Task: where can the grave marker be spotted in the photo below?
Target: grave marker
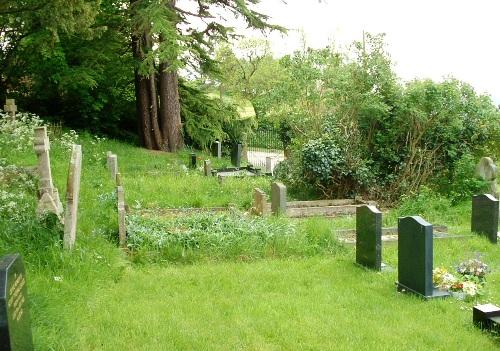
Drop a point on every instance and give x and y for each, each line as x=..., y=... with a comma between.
x=369, y=237
x=278, y=198
x=113, y=165
x=415, y=257
x=269, y=165
x=72, y=196
x=15, y=322
x=236, y=155
x=122, y=229
x=485, y=216
x=49, y=196
x=486, y=316
x=10, y=107
x=193, y=160
x=217, y=149
x=259, y=202
x=207, y=167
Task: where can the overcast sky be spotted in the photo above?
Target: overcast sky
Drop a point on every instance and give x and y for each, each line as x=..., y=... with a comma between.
x=426, y=39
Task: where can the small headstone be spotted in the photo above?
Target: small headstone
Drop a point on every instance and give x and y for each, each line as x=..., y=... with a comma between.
x=122, y=230
x=113, y=165
x=269, y=165
x=259, y=202
x=72, y=196
x=192, y=158
x=10, y=107
x=278, y=198
x=207, y=167
x=236, y=155
x=415, y=258
x=369, y=237
x=487, y=170
x=486, y=316
x=15, y=321
x=217, y=149
x=485, y=216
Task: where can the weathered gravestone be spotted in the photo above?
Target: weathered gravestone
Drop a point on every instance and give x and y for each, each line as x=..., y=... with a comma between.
x=486, y=317
x=15, y=322
x=207, y=168
x=72, y=196
x=259, y=202
x=10, y=107
x=487, y=170
x=278, y=198
x=269, y=165
x=369, y=237
x=112, y=162
x=415, y=258
x=236, y=155
x=49, y=200
x=122, y=229
x=217, y=149
x=485, y=216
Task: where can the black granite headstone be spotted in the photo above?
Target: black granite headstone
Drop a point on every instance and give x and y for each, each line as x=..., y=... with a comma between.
x=415, y=257
x=369, y=237
x=15, y=323
x=486, y=316
x=485, y=216
x=236, y=155
x=193, y=160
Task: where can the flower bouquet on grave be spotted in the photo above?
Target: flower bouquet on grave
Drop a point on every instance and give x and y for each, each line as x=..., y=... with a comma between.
x=442, y=279
x=473, y=270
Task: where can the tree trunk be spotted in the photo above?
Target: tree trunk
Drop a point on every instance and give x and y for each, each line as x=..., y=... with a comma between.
x=170, y=108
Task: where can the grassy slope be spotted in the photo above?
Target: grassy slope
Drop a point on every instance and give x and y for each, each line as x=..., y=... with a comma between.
x=323, y=302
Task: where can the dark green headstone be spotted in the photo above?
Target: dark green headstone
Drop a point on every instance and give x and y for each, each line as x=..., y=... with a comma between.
x=15, y=323
x=236, y=155
x=369, y=237
x=485, y=216
x=415, y=257
x=193, y=160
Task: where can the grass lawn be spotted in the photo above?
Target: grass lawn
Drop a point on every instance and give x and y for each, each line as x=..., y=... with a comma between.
x=96, y=298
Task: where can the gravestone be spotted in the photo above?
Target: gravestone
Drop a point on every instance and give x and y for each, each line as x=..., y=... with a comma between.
x=487, y=170
x=485, y=216
x=113, y=165
x=236, y=155
x=278, y=198
x=259, y=202
x=122, y=229
x=486, y=316
x=192, y=158
x=369, y=237
x=49, y=200
x=207, y=167
x=269, y=165
x=72, y=196
x=15, y=322
x=415, y=258
x=10, y=108
x=217, y=149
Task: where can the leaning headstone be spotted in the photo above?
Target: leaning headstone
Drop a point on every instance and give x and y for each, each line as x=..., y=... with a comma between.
x=122, y=229
x=369, y=237
x=485, y=216
x=113, y=165
x=278, y=198
x=48, y=194
x=486, y=316
x=207, y=167
x=259, y=202
x=236, y=155
x=217, y=149
x=415, y=258
x=15, y=322
x=10, y=107
x=487, y=170
x=72, y=196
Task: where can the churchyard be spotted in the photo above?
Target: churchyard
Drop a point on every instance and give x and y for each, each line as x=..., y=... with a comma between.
x=164, y=257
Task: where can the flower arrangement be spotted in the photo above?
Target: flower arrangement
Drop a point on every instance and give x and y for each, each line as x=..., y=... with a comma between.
x=470, y=280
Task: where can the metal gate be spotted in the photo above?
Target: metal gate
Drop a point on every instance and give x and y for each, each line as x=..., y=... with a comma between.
x=265, y=148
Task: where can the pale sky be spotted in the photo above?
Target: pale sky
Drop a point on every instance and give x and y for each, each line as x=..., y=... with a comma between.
x=425, y=39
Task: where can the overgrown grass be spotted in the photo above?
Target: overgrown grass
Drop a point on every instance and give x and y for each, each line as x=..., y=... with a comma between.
x=251, y=283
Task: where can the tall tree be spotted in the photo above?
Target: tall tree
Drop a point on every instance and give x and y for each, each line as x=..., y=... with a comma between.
x=166, y=36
